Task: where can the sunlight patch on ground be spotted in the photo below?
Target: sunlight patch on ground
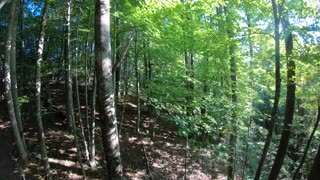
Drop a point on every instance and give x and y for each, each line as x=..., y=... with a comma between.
x=62, y=151
x=4, y=125
x=160, y=163
x=131, y=104
x=62, y=162
x=138, y=174
x=73, y=149
x=74, y=176
x=132, y=139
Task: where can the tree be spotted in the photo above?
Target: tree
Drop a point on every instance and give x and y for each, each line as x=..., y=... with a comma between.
x=67, y=61
x=38, y=91
x=307, y=147
x=290, y=101
x=233, y=77
x=105, y=89
x=315, y=173
x=276, y=14
x=8, y=76
x=68, y=79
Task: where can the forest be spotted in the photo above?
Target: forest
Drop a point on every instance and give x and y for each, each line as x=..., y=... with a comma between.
x=160, y=89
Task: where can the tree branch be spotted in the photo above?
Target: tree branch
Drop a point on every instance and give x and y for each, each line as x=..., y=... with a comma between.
x=124, y=52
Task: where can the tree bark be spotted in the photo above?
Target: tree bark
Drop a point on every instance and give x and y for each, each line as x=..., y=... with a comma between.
x=8, y=84
x=315, y=173
x=233, y=135
x=77, y=57
x=23, y=83
x=137, y=81
x=67, y=57
x=68, y=75
x=277, y=90
x=308, y=145
x=234, y=98
x=38, y=91
x=14, y=82
x=290, y=101
x=92, y=149
x=87, y=75
x=105, y=90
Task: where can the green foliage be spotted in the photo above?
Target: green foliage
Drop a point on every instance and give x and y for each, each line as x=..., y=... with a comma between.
x=168, y=31
x=23, y=100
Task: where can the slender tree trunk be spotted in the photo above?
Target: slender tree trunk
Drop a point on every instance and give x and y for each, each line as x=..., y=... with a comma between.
x=234, y=98
x=14, y=83
x=137, y=81
x=84, y=141
x=38, y=92
x=21, y=47
x=308, y=144
x=126, y=78
x=189, y=62
x=92, y=149
x=70, y=112
x=8, y=81
x=277, y=90
x=290, y=101
x=233, y=135
x=315, y=173
x=117, y=55
x=89, y=125
x=67, y=57
x=247, y=147
x=105, y=90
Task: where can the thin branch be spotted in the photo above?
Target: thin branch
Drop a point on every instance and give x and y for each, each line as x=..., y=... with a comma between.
x=124, y=52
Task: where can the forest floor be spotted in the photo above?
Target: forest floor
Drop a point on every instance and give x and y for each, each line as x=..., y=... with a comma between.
x=156, y=152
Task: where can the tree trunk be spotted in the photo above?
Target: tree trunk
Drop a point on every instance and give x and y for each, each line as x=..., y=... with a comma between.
x=290, y=101
x=70, y=112
x=117, y=56
x=14, y=83
x=277, y=90
x=315, y=173
x=137, y=81
x=88, y=124
x=308, y=144
x=234, y=98
x=68, y=75
x=248, y=139
x=21, y=48
x=233, y=135
x=105, y=89
x=8, y=84
x=92, y=149
x=84, y=141
x=38, y=91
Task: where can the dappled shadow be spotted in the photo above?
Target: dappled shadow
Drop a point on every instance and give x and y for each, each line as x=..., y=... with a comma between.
x=7, y=158
x=157, y=151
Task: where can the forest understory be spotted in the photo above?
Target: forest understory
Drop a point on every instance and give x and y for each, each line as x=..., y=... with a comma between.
x=160, y=89
x=157, y=152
